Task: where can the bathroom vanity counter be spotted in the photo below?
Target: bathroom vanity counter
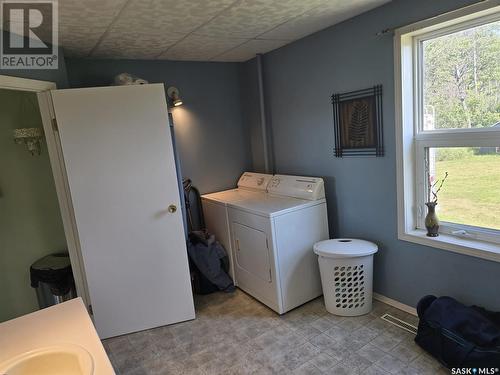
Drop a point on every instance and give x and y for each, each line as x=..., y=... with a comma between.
x=64, y=325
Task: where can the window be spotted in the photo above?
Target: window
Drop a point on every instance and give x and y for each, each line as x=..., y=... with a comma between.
x=448, y=124
x=461, y=77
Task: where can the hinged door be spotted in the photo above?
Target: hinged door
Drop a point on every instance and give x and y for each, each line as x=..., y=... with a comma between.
x=121, y=175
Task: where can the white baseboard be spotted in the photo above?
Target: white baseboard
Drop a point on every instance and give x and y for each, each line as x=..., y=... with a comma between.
x=394, y=303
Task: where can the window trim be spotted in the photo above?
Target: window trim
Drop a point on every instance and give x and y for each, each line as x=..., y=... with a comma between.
x=410, y=137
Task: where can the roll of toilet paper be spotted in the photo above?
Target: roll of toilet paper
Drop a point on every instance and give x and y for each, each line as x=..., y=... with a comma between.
x=140, y=81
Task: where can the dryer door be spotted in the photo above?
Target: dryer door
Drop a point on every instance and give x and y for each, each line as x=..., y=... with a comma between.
x=254, y=258
x=252, y=251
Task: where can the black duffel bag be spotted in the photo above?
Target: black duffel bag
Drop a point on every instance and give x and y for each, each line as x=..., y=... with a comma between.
x=458, y=335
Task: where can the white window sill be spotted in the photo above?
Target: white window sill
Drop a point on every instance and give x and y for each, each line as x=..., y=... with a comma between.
x=475, y=248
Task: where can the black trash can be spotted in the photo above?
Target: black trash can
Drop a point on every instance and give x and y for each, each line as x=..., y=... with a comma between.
x=52, y=278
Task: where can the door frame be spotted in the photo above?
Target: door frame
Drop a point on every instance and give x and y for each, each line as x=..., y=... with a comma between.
x=42, y=89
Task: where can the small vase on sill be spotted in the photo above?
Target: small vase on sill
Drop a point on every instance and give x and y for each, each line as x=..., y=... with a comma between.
x=431, y=220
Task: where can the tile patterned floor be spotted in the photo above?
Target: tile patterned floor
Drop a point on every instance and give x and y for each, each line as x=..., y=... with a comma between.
x=235, y=334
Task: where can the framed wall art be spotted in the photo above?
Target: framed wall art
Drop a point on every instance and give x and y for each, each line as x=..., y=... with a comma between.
x=357, y=119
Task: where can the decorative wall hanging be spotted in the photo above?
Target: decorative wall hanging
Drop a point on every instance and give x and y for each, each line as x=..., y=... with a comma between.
x=30, y=135
x=357, y=119
x=31, y=138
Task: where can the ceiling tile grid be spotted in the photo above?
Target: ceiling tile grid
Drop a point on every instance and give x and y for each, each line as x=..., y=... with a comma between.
x=171, y=15
x=321, y=17
x=79, y=40
x=250, y=49
x=93, y=13
x=199, y=30
x=135, y=43
x=200, y=47
x=250, y=18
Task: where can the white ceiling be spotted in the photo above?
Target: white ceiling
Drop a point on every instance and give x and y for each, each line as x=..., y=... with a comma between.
x=200, y=30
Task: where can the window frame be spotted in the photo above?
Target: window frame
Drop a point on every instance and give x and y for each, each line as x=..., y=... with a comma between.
x=450, y=228
x=418, y=41
x=412, y=139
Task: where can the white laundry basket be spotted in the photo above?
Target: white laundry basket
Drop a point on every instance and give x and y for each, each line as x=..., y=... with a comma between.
x=346, y=267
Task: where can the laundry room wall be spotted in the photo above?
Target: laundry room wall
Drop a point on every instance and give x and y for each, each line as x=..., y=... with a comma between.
x=361, y=192
x=251, y=115
x=211, y=140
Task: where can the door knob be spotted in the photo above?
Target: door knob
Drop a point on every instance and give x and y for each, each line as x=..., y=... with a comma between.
x=172, y=208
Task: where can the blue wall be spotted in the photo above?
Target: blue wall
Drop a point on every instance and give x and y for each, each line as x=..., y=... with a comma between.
x=250, y=110
x=252, y=118
x=211, y=140
x=361, y=192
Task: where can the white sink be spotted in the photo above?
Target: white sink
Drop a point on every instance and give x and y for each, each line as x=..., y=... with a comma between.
x=65, y=359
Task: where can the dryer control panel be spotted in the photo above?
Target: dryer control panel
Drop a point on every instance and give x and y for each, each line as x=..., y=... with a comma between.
x=311, y=188
x=254, y=181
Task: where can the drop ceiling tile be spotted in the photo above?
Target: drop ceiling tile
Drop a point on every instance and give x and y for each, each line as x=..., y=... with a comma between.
x=82, y=22
x=150, y=28
x=77, y=46
x=135, y=44
x=249, y=49
x=321, y=17
x=78, y=41
x=250, y=18
x=90, y=13
x=200, y=47
x=171, y=15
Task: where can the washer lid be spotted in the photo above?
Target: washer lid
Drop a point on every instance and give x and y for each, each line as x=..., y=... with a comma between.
x=344, y=248
x=233, y=195
x=270, y=205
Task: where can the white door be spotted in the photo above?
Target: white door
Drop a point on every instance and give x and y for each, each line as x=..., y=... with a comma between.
x=121, y=174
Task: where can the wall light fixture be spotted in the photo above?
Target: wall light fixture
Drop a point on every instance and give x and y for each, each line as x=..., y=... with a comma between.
x=173, y=94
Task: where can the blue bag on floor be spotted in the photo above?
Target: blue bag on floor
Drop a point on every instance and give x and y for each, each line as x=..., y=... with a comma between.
x=209, y=257
x=458, y=335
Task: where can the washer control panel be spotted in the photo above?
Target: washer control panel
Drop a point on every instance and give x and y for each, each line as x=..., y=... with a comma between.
x=311, y=188
x=254, y=181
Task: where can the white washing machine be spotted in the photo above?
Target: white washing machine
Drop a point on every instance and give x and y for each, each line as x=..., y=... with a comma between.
x=273, y=236
x=215, y=208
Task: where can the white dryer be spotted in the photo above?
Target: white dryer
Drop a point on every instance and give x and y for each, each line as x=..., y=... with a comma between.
x=273, y=236
x=215, y=208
